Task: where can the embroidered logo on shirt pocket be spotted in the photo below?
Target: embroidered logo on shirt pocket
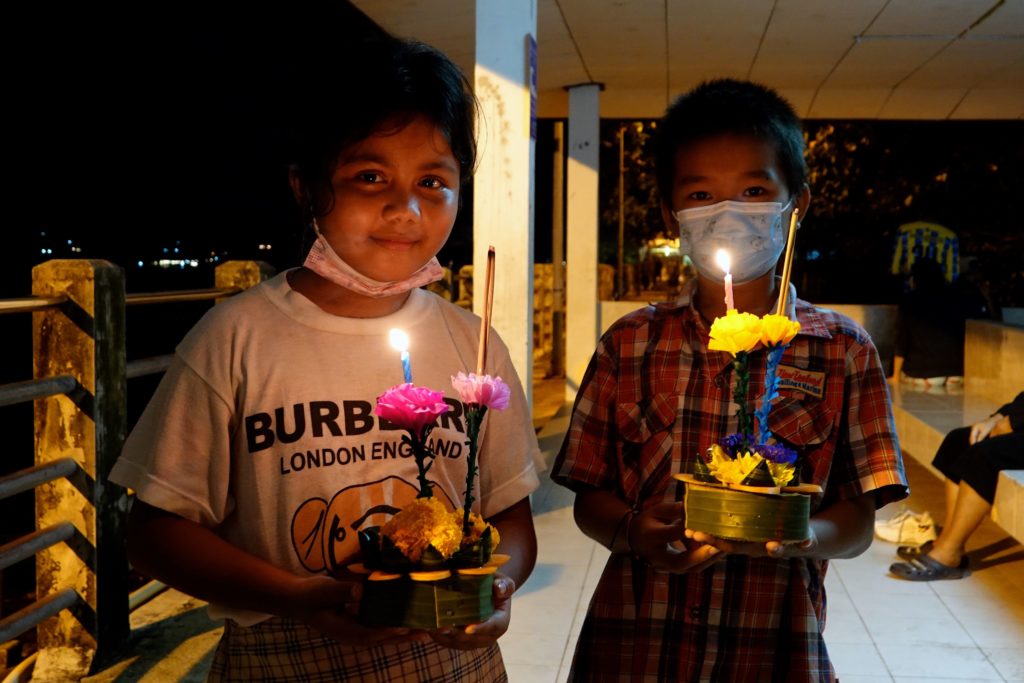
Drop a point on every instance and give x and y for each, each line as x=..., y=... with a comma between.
x=637, y=424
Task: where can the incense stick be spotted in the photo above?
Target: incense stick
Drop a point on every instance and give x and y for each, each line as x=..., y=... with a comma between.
x=787, y=265
x=485, y=319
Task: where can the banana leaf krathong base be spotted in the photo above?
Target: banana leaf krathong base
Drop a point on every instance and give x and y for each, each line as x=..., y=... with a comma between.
x=456, y=600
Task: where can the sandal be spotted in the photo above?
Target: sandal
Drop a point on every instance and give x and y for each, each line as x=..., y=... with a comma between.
x=909, y=552
x=926, y=568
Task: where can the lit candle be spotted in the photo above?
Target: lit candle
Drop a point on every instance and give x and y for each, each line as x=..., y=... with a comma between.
x=725, y=263
x=400, y=342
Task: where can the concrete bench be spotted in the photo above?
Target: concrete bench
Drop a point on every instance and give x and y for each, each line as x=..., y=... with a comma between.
x=994, y=374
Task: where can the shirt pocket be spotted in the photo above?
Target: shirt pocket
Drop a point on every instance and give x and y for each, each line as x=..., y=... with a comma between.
x=801, y=424
x=637, y=423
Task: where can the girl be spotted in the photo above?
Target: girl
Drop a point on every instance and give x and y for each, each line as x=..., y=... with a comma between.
x=259, y=457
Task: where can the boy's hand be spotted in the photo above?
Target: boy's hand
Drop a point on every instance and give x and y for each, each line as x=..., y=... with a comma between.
x=329, y=606
x=654, y=534
x=776, y=549
x=476, y=636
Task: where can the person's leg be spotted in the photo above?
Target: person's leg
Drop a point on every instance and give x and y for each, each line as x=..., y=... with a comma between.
x=969, y=512
x=952, y=490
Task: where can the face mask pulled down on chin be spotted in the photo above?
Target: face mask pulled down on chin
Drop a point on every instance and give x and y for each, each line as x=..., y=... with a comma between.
x=326, y=263
x=750, y=231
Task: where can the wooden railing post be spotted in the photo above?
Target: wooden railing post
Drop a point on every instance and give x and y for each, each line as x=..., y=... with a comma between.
x=84, y=338
x=241, y=274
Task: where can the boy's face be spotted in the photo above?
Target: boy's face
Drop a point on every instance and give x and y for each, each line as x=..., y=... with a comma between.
x=396, y=195
x=736, y=167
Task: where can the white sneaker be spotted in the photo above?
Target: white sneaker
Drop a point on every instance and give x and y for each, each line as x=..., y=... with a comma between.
x=907, y=528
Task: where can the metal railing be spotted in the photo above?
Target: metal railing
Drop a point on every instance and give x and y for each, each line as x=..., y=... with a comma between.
x=80, y=413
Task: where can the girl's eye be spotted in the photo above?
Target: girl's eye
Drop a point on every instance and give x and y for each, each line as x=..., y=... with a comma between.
x=369, y=177
x=699, y=196
x=433, y=183
x=754, y=192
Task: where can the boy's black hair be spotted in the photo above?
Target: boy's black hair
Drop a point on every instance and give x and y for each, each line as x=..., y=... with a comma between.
x=383, y=83
x=728, y=106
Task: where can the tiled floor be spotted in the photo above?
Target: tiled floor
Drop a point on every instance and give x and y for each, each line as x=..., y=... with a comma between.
x=879, y=628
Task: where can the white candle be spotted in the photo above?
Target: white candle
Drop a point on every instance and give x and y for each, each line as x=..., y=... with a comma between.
x=725, y=263
x=400, y=342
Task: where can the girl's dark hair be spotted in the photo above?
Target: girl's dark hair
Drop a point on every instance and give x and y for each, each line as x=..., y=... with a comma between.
x=385, y=83
x=727, y=106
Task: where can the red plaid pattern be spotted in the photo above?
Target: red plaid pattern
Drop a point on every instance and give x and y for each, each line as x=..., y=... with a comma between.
x=286, y=651
x=652, y=398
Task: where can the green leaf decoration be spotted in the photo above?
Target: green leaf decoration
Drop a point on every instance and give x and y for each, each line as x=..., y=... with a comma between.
x=760, y=476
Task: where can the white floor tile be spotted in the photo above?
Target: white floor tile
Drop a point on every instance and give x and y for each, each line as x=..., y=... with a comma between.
x=856, y=659
x=530, y=673
x=845, y=628
x=933, y=630
x=938, y=662
x=1009, y=662
x=847, y=678
x=534, y=649
x=877, y=607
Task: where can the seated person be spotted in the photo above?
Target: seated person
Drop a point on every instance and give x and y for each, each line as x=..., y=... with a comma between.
x=971, y=459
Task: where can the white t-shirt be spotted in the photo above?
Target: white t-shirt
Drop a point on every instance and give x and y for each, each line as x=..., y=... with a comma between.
x=263, y=427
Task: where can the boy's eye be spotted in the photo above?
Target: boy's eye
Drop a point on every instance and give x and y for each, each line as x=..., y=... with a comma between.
x=699, y=196
x=754, y=192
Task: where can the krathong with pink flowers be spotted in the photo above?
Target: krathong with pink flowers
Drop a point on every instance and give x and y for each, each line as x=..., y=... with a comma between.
x=478, y=393
x=414, y=409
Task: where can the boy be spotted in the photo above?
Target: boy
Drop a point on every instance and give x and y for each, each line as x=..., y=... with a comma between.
x=678, y=605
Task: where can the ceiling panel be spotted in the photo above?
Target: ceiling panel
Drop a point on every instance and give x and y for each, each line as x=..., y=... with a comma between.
x=848, y=103
x=616, y=40
x=928, y=17
x=991, y=103
x=968, y=62
x=713, y=39
x=558, y=62
x=1008, y=19
x=883, y=62
x=451, y=31
x=921, y=103
x=804, y=42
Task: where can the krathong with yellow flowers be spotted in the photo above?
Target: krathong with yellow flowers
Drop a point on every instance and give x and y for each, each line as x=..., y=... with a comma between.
x=747, y=486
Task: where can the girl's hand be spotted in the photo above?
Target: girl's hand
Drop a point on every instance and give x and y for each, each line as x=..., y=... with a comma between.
x=656, y=534
x=330, y=605
x=1001, y=427
x=982, y=430
x=776, y=549
x=476, y=636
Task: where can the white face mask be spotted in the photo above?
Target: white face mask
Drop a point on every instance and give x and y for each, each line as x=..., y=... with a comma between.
x=325, y=262
x=750, y=231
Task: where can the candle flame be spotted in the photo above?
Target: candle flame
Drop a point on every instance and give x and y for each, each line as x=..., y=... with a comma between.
x=723, y=260
x=399, y=340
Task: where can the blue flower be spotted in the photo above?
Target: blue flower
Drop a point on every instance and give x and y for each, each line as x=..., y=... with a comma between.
x=777, y=453
x=731, y=443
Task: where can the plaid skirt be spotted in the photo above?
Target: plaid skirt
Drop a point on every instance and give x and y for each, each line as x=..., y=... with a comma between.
x=283, y=651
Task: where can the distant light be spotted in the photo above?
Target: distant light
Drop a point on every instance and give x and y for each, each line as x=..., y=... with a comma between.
x=42, y=233
x=194, y=263
x=813, y=255
x=42, y=251
x=69, y=241
x=165, y=250
x=216, y=258
x=140, y=264
x=175, y=250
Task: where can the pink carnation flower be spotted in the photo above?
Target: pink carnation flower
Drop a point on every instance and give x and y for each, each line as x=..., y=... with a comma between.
x=482, y=390
x=411, y=407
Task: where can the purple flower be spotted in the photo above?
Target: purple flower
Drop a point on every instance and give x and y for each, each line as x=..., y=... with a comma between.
x=777, y=453
x=731, y=443
x=411, y=407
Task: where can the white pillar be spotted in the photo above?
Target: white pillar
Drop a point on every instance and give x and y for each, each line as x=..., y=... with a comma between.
x=503, y=184
x=582, y=325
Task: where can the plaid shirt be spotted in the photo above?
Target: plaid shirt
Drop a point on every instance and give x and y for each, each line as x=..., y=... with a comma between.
x=654, y=396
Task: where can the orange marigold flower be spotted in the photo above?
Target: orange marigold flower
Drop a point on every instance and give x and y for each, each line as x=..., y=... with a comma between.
x=423, y=522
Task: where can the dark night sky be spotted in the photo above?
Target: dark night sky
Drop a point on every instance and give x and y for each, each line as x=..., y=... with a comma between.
x=129, y=132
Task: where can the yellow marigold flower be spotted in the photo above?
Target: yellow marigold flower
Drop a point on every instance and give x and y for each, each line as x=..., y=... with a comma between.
x=781, y=472
x=423, y=522
x=731, y=470
x=477, y=526
x=778, y=329
x=735, y=332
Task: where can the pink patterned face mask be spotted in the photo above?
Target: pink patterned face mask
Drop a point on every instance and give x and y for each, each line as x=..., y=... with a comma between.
x=323, y=261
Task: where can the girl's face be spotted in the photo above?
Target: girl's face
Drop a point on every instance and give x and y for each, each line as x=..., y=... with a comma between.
x=396, y=194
